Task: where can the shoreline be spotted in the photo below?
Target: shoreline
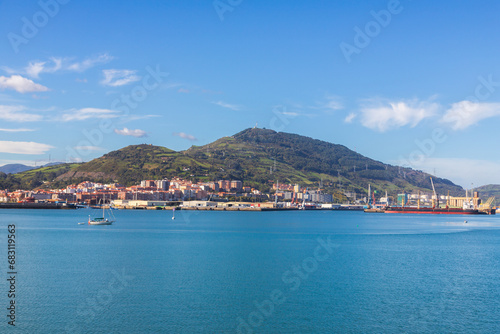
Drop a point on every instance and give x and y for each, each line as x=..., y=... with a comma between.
x=46, y=206
x=38, y=206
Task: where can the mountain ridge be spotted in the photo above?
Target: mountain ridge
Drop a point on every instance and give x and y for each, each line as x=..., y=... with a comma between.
x=259, y=158
x=19, y=168
x=14, y=168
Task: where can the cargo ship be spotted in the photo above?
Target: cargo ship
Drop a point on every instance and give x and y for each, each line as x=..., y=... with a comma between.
x=469, y=207
x=435, y=211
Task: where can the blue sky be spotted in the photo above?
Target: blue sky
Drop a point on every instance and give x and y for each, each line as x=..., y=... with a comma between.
x=405, y=82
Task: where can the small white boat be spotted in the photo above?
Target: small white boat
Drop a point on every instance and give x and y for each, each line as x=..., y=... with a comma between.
x=100, y=221
x=173, y=213
x=103, y=220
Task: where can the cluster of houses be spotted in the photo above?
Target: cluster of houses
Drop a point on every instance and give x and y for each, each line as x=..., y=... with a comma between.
x=165, y=190
x=156, y=191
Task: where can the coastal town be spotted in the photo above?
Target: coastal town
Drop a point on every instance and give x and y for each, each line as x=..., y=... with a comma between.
x=219, y=195
x=175, y=192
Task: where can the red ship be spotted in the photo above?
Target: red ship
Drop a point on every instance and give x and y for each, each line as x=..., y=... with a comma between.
x=436, y=211
x=469, y=207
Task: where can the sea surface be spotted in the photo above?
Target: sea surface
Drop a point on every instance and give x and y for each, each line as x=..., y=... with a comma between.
x=252, y=272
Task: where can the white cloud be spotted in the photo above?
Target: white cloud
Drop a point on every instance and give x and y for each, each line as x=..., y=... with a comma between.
x=58, y=64
x=87, y=113
x=349, y=118
x=116, y=78
x=383, y=115
x=21, y=84
x=134, y=133
x=290, y=113
x=295, y=110
x=34, y=69
x=185, y=136
x=227, y=105
x=54, y=64
x=463, y=114
x=23, y=147
x=16, y=114
x=89, y=63
x=44, y=109
x=9, y=70
x=333, y=103
x=328, y=105
x=138, y=117
x=88, y=148
x=16, y=130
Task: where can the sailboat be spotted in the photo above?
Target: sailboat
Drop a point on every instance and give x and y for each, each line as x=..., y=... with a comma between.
x=173, y=213
x=103, y=220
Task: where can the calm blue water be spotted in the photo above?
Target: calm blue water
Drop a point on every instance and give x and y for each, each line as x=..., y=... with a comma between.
x=230, y=272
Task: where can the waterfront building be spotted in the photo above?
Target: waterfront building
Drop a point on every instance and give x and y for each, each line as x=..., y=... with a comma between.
x=192, y=204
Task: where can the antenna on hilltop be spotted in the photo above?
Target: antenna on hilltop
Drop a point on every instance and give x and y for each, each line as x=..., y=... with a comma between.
x=256, y=123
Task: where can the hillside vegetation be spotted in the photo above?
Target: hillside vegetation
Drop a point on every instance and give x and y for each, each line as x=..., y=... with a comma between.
x=259, y=157
x=35, y=178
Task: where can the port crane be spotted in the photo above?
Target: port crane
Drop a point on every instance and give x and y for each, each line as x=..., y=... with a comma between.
x=489, y=203
x=435, y=195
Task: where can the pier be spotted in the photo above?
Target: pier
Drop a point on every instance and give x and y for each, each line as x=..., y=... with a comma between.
x=37, y=206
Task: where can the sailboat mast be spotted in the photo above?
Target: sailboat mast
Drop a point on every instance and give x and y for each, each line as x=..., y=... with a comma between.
x=369, y=194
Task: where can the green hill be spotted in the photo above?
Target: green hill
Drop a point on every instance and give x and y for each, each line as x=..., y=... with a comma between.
x=258, y=157
x=35, y=178
x=134, y=163
x=262, y=156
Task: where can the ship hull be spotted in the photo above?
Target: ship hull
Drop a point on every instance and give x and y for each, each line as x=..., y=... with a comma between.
x=100, y=223
x=431, y=211
x=375, y=210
